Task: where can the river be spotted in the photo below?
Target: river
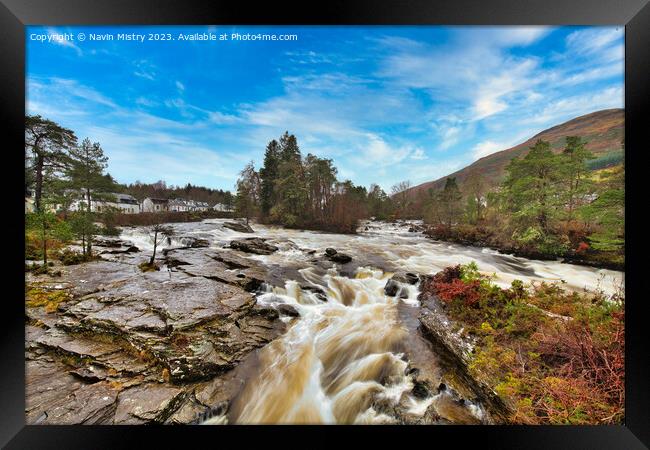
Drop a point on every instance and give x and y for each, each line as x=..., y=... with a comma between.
x=346, y=358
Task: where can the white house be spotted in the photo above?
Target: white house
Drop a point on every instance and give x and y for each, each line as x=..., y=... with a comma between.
x=155, y=205
x=124, y=203
x=178, y=204
x=222, y=207
x=201, y=206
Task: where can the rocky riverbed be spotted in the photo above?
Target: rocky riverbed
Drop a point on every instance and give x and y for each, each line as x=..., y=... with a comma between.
x=249, y=325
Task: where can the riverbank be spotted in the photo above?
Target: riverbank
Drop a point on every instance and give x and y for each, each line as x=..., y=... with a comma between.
x=579, y=254
x=172, y=345
x=536, y=355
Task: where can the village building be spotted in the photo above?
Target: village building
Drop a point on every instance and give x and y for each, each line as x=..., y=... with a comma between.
x=222, y=207
x=103, y=202
x=179, y=205
x=201, y=206
x=155, y=204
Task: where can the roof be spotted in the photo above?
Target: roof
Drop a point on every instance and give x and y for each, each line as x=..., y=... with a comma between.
x=157, y=200
x=125, y=198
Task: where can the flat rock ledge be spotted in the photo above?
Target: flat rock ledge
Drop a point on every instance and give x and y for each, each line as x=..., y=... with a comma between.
x=127, y=347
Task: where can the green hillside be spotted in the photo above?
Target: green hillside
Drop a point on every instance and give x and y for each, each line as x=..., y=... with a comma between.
x=603, y=131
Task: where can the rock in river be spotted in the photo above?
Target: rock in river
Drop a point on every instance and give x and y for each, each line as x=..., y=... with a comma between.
x=337, y=257
x=393, y=288
x=237, y=226
x=253, y=245
x=406, y=277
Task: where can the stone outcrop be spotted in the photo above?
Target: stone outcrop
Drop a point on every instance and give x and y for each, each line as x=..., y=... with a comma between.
x=334, y=256
x=238, y=226
x=448, y=342
x=254, y=245
x=127, y=347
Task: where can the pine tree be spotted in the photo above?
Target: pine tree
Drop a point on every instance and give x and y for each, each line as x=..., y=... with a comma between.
x=268, y=177
x=46, y=157
x=86, y=174
x=450, y=202
x=574, y=169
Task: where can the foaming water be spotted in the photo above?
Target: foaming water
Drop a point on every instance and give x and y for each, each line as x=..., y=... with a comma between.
x=338, y=359
x=342, y=360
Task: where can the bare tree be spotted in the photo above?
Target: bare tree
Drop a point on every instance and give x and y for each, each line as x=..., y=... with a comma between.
x=158, y=234
x=400, y=193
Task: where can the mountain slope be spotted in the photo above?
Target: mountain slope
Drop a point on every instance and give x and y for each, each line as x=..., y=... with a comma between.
x=603, y=131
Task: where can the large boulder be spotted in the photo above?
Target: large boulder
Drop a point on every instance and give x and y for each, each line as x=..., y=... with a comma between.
x=406, y=277
x=337, y=257
x=392, y=289
x=253, y=245
x=238, y=226
x=194, y=242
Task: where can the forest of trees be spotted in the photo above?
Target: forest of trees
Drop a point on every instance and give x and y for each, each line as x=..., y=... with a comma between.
x=304, y=192
x=548, y=204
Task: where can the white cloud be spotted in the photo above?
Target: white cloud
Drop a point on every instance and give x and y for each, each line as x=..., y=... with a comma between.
x=144, y=69
x=143, y=74
x=569, y=107
x=450, y=136
x=593, y=40
x=143, y=101
x=376, y=152
x=180, y=86
x=418, y=154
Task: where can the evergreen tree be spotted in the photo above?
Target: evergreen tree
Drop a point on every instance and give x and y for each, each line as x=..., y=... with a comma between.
x=46, y=157
x=574, y=169
x=288, y=148
x=474, y=187
x=450, y=202
x=268, y=177
x=533, y=187
x=534, y=194
x=86, y=174
x=379, y=203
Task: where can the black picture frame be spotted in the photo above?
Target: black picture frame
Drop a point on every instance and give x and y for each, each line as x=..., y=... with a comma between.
x=16, y=14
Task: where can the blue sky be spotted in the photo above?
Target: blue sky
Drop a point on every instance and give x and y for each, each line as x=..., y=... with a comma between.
x=386, y=103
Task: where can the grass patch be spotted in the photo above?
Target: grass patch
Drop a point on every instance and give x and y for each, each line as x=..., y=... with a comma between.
x=36, y=296
x=146, y=267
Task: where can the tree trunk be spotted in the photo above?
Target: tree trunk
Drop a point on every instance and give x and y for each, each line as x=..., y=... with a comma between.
x=89, y=252
x=38, y=191
x=44, y=242
x=155, y=244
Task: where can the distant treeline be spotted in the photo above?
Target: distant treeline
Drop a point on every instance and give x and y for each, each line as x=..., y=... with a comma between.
x=160, y=189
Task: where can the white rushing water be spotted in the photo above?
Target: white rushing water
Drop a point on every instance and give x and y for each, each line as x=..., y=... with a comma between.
x=342, y=358
x=389, y=242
